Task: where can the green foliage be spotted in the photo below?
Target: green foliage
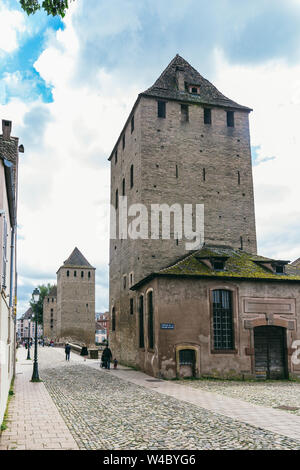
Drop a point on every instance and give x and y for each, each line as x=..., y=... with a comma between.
x=52, y=7
x=38, y=308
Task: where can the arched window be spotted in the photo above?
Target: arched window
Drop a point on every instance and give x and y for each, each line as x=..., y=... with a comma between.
x=131, y=176
x=141, y=322
x=113, y=320
x=150, y=321
x=223, y=319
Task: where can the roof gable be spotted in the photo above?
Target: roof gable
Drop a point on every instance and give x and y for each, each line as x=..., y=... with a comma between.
x=166, y=86
x=76, y=258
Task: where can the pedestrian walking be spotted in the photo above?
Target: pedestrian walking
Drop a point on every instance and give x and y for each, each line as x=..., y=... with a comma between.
x=115, y=363
x=84, y=352
x=67, y=351
x=106, y=357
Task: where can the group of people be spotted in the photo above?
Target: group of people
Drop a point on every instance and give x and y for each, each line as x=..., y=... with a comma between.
x=106, y=357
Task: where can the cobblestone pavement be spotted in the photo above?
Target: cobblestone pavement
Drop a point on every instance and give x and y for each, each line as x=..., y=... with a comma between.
x=103, y=411
x=271, y=393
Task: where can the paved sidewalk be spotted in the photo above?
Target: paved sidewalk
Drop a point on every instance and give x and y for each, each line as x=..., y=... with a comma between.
x=34, y=421
x=277, y=421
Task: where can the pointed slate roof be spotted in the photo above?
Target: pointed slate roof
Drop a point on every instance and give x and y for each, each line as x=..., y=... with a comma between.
x=76, y=258
x=166, y=87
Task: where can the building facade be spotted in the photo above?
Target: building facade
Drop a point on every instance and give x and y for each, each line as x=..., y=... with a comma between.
x=102, y=327
x=26, y=327
x=69, y=310
x=9, y=158
x=184, y=143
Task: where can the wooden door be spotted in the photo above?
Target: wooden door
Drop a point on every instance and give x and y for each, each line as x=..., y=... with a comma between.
x=270, y=352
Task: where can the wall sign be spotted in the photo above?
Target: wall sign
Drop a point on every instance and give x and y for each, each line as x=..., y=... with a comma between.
x=167, y=326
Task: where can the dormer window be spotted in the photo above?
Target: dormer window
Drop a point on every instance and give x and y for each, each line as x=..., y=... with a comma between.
x=279, y=269
x=195, y=90
x=218, y=265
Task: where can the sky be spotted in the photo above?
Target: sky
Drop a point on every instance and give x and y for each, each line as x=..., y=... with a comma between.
x=68, y=86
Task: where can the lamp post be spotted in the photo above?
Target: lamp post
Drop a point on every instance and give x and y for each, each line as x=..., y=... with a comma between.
x=28, y=340
x=35, y=374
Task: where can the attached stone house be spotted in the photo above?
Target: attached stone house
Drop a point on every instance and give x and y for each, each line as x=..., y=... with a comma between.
x=219, y=312
x=185, y=143
x=69, y=309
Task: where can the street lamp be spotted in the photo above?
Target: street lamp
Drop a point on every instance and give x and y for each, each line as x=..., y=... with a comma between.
x=35, y=374
x=28, y=340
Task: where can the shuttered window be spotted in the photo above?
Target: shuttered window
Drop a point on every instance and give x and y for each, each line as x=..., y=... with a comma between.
x=222, y=319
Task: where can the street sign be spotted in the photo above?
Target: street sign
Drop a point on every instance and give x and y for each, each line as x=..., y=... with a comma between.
x=167, y=326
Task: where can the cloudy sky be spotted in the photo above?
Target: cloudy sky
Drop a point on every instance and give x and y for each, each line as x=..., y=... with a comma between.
x=69, y=85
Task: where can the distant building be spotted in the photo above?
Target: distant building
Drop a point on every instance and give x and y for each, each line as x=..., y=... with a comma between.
x=102, y=327
x=69, y=310
x=26, y=326
x=9, y=159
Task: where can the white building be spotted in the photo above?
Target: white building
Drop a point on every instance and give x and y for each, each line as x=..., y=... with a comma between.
x=9, y=155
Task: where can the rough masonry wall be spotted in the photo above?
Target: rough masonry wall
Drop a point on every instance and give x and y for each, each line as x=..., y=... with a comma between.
x=156, y=147
x=76, y=304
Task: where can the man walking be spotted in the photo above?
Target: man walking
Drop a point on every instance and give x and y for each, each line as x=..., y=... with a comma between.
x=106, y=357
x=67, y=351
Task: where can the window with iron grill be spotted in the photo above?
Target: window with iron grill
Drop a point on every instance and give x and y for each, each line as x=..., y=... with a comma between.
x=222, y=319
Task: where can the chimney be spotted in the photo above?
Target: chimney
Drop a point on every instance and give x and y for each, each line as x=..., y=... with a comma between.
x=180, y=78
x=6, y=129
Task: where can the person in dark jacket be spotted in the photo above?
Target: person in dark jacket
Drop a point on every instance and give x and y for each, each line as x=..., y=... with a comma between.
x=106, y=357
x=67, y=351
x=84, y=352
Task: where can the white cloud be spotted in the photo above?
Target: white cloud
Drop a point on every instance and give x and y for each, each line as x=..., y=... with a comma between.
x=12, y=24
x=273, y=91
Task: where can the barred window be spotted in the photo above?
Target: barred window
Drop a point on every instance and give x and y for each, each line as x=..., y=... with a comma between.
x=223, y=319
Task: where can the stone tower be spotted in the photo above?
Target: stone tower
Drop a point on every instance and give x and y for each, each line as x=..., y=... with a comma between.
x=184, y=142
x=50, y=314
x=76, y=300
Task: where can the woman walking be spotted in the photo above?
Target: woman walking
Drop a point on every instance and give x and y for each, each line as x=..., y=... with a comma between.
x=84, y=352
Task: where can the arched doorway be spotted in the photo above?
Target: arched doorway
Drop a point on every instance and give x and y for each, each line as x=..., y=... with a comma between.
x=270, y=352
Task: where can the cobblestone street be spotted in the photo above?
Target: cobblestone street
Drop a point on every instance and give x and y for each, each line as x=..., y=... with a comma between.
x=106, y=410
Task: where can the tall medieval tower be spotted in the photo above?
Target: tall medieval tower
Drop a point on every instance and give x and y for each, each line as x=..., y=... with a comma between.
x=183, y=143
x=69, y=309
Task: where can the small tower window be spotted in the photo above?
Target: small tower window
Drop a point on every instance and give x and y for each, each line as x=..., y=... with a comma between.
x=203, y=174
x=75, y=273
x=176, y=171
x=124, y=281
x=123, y=141
x=117, y=199
x=230, y=118
x=123, y=187
x=161, y=109
x=132, y=124
x=131, y=306
x=113, y=319
x=48, y=299
x=207, y=116
x=89, y=274
x=239, y=177
x=131, y=176
x=82, y=274
x=184, y=113
x=68, y=274
x=116, y=157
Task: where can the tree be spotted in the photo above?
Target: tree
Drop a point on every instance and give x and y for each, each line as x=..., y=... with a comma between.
x=38, y=308
x=52, y=7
